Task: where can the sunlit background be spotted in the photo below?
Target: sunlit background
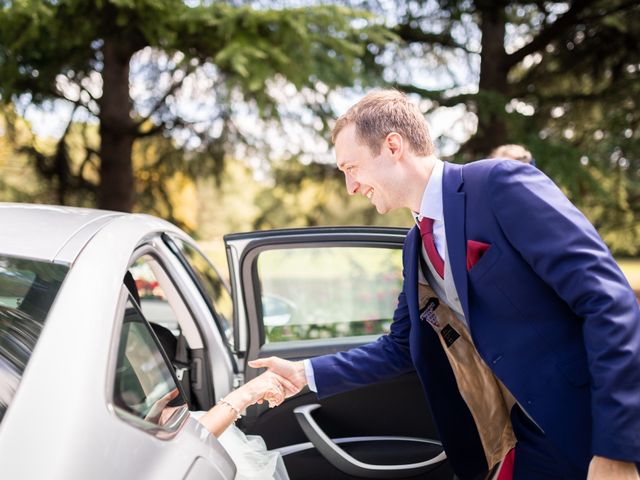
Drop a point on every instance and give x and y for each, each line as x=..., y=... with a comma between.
x=215, y=115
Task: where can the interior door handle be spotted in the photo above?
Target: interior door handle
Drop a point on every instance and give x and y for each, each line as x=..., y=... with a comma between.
x=344, y=462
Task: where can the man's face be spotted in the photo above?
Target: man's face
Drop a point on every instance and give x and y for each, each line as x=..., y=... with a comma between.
x=366, y=174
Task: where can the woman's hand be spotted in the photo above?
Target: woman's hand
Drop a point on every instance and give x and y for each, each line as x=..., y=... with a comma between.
x=292, y=371
x=268, y=386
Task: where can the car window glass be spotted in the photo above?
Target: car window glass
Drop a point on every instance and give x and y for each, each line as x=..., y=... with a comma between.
x=212, y=285
x=144, y=386
x=27, y=291
x=153, y=299
x=327, y=292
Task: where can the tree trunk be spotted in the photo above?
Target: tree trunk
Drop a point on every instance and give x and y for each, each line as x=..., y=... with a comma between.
x=117, y=129
x=493, y=82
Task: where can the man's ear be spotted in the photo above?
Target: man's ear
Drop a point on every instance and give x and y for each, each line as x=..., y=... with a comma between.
x=394, y=143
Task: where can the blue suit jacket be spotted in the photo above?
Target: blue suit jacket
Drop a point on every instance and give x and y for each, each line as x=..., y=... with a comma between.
x=549, y=311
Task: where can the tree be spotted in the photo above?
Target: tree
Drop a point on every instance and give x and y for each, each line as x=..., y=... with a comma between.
x=314, y=194
x=19, y=181
x=82, y=52
x=560, y=77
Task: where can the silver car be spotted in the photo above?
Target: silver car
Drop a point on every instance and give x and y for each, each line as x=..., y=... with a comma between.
x=104, y=314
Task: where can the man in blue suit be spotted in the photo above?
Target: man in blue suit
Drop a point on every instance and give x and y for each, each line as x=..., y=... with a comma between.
x=523, y=275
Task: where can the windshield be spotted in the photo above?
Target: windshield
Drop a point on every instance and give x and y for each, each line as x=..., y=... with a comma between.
x=27, y=291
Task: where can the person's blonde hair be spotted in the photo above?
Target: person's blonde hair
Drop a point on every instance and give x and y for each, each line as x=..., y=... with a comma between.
x=379, y=113
x=512, y=151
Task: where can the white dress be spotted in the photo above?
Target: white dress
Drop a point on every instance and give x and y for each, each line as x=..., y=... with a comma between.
x=253, y=460
x=249, y=453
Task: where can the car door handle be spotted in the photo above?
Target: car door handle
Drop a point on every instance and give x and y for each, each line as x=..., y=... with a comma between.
x=344, y=462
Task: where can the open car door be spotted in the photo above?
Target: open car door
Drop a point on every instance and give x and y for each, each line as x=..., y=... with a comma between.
x=300, y=293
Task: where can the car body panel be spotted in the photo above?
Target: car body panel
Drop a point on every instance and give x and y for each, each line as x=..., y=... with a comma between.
x=62, y=410
x=65, y=229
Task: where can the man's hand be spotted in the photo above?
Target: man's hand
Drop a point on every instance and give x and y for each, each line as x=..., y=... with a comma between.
x=269, y=386
x=292, y=371
x=606, y=468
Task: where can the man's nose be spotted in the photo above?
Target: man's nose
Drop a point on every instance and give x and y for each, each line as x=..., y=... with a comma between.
x=352, y=185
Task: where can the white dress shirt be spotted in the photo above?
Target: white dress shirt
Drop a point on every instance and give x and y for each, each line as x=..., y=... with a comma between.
x=431, y=207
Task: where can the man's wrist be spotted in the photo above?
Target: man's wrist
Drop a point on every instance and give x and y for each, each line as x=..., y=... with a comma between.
x=603, y=467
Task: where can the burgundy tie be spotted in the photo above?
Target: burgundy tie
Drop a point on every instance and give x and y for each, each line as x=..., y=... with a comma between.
x=426, y=231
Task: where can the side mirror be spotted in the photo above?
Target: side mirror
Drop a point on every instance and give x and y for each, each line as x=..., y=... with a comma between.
x=276, y=311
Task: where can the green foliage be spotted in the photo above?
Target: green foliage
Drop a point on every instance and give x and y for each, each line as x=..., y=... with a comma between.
x=60, y=50
x=315, y=194
x=19, y=179
x=585, y=90
x=564, y=80
x=40, y=40
x=251, y=47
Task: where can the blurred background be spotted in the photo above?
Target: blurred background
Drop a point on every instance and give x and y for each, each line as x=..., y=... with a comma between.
x=216, y=115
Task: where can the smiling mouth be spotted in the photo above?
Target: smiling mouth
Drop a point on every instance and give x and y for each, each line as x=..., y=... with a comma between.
x=369, y=194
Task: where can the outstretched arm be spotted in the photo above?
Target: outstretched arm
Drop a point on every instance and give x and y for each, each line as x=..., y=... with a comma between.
x=385, y=358
x=268, y=387
x=292, y=371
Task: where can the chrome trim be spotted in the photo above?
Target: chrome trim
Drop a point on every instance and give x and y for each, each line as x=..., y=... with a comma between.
x=300, y=447
x=163, y=432
x=177, y=420
x=350, y=465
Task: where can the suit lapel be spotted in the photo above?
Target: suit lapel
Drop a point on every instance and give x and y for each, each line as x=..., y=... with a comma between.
x=453, y=204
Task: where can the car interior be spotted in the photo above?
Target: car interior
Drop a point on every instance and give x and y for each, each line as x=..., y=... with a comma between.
x=175, y=348
x=382, y=430
x=166, y=309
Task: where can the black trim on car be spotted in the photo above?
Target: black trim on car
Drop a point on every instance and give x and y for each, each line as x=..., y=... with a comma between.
x=307, y=231
x=196, y=280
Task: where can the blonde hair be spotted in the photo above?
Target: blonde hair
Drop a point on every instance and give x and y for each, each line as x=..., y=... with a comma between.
x=382, y=112
x=512, y=151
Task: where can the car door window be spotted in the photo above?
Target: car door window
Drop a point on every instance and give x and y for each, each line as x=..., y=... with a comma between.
x=328, y=292
x=27, y=291
x=144, y=386
x=210, y=283
x=153, y=298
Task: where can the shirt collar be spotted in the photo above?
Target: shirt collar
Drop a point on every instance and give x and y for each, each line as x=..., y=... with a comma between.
x=431, y=205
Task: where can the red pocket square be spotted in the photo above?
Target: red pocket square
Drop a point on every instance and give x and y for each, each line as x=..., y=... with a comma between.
x=475, y=250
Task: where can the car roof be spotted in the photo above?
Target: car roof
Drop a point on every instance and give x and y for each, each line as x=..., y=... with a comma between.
x=48, y=232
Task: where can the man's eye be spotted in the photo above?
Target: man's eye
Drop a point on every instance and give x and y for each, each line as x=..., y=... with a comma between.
x=349, y=169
